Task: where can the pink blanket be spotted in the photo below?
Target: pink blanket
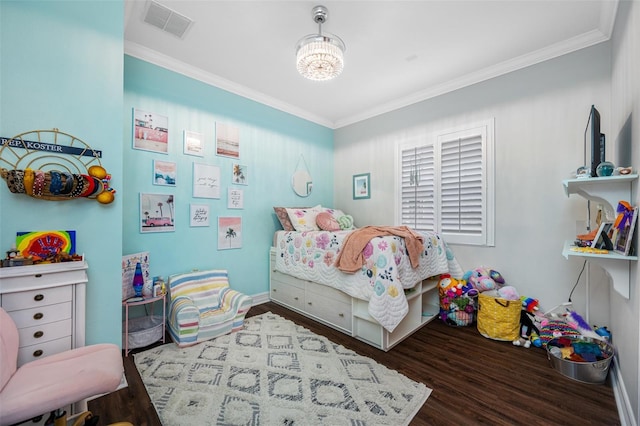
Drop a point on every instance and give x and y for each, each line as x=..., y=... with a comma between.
x=350, y=258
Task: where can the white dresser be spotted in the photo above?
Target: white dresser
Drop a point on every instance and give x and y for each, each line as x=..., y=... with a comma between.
x=47, y=303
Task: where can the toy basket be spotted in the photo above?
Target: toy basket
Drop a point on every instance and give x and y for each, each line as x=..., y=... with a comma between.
x=498, y=318
x=459, y=311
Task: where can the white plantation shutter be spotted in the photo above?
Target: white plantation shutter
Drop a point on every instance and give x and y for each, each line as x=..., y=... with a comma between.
x=462, y=186
x=417, y=201
x=446, y=185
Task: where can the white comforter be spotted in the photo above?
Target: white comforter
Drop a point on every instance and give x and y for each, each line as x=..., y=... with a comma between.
x=384, y=276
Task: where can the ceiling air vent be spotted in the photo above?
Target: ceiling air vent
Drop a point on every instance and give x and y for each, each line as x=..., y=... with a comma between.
x=166, y=19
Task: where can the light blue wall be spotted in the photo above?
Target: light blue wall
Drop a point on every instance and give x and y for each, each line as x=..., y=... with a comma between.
x=271, y=145
x=61, y=66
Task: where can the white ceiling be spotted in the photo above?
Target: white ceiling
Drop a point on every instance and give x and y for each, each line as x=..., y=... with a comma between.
x=398, y=52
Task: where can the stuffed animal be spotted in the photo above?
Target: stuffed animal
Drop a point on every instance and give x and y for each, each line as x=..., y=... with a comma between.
x=509, y=292
x=483, y=279
x=457, y=304
x=529, y=333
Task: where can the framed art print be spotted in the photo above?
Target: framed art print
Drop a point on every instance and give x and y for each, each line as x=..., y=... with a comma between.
x=198, y=215
x=229, y=233
x=156, y=213
x=235, y=198
x=206, y=181
x=239, y=175
x=150, y=131
x=164, y=173
x=227, y=140
x=193, y=143
x=361, y=186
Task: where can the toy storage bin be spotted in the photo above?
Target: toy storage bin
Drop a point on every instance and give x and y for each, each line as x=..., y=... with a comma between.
x=143, y=331
x=586, y=372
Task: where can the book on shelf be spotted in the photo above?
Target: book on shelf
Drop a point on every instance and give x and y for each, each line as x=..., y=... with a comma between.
x=623, y=235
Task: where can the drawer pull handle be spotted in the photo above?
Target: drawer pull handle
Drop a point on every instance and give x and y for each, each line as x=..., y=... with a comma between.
x=38, y=297
x=38, y=353
x=38, y=316
x=296, y=298
x=275, y=289
x=341, y=315
x=38, y=275
x=309, y=303
x=38, y=334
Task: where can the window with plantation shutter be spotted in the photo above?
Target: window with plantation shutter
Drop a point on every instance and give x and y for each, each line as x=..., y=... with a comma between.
x=446, y=185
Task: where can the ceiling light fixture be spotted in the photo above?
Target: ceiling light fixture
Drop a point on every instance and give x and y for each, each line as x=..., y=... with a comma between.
x=320, y=57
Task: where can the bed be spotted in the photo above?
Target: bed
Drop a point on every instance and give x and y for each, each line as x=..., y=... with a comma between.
x=382, y=303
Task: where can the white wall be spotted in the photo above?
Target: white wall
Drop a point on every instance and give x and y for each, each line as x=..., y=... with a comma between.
x=625, y=131
x=540, y=116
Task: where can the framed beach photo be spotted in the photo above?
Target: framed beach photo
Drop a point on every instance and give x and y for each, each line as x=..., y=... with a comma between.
x=164, y=173
x=156, y=213
x=193, y=143
x=361, y=186
x=150, y=131
x=227, y=140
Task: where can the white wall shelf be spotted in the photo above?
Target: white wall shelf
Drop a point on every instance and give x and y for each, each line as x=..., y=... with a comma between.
x=608, y=190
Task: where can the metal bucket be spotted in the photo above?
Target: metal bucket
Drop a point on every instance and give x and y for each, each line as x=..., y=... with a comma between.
x=586, y=372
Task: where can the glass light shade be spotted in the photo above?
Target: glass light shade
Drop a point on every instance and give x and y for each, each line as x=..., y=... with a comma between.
x=320, y=57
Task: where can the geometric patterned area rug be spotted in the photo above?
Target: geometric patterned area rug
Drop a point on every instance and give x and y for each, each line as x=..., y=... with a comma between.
x=274, y=372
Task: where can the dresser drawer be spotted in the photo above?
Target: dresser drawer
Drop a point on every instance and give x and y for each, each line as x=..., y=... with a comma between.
x=329, y=310
x=35, y=298
x=41, y=350
x=287, y=294
x=41, y=315
x=44, y=332
x=43, y=276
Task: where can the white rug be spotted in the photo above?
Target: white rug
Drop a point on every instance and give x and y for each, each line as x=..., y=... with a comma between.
x=275, y=372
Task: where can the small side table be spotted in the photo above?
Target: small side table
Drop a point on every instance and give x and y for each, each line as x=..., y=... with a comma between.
x=145, y=301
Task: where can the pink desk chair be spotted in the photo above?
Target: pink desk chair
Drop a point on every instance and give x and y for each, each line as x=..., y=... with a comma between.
x=41, y=386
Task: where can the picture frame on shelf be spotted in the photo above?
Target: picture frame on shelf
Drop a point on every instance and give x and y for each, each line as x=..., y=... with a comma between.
x=603, y=237
x=361, y=186
x=623, y=234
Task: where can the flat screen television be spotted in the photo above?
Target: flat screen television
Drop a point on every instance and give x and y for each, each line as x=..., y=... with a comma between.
x=597, y=141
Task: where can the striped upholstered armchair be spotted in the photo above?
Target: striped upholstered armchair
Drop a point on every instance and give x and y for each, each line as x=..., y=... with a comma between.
x=203, y=306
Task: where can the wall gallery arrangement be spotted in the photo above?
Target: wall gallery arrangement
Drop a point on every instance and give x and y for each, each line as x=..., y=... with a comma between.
x=157, y=210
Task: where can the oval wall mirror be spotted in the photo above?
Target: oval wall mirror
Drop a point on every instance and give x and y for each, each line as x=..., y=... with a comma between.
x=301, y=183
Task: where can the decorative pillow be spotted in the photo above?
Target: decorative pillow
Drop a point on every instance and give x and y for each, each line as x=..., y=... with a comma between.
x=326, y=222
x=304, y=219
x=283, y=217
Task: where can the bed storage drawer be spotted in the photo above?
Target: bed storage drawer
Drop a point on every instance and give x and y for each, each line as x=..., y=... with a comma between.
x=329, y=310
x=287, y=294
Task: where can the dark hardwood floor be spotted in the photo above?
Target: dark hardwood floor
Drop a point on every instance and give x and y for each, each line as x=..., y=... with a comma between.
x=475, y=381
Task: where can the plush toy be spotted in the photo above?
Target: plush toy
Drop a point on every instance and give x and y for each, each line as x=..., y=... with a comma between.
x=457, y=304
x=550, y=329
x=509, y=292
x=530, y=305
x=581, y=325
x=346, y=222
x=483, y=279
x=529, y=333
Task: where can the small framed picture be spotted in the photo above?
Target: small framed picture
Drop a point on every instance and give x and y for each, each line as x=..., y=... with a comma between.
x=603, y=237
x=156, y=213
x=150, y=131
x=227, y=140
x=229, y=233
x=361, y=186
x=193, y=143
x=239, y=175
x=206, y=181
x=164, y=173
x=198, y=215
x=235, y=198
